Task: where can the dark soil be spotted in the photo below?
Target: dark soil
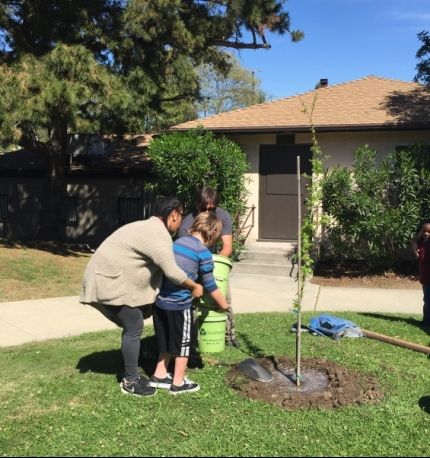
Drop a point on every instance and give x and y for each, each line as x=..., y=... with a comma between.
x=359, y=275
x=343, y=387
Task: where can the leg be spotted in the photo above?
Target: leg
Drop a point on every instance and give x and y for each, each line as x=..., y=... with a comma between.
x=426, y=307
x=162, y=365
x=180, y=324
x=230, y=335
x=181, y=363
x=131, y=320
x=161, y=378
x=194, y=330
x=109, y=311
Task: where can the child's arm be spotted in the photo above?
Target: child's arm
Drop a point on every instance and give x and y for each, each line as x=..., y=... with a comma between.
x=220, y=300
x=206, y=267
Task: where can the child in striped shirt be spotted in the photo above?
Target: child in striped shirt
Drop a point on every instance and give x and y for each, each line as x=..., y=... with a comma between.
x=172, y=313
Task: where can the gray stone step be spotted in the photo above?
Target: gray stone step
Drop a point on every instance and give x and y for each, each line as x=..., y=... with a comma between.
x=267, y=258
x=282, y=270
x=270, y=247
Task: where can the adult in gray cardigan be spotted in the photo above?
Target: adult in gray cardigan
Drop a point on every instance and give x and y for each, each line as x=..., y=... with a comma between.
x=124, y=275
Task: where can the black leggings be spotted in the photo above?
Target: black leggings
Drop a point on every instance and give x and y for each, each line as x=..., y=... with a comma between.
x=130, y=319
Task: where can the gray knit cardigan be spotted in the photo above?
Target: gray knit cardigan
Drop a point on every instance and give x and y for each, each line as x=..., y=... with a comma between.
x=128, y=267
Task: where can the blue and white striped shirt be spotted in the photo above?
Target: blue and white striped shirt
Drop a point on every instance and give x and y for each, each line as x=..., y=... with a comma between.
x=196, y=261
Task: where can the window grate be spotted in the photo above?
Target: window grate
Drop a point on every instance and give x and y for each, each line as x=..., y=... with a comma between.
x=69, y=211
x=129, y=209
x=132, y=209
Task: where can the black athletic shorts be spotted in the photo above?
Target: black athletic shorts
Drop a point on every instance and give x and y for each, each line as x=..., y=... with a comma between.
x=173, y=330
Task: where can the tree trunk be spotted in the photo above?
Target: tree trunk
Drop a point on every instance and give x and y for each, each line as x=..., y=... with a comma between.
x=53, y=193
x=54, y=186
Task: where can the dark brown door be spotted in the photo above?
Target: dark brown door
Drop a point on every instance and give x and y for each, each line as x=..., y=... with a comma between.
x=278, y=189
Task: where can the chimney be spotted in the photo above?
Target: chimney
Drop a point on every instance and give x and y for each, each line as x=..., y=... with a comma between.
x=323, y=82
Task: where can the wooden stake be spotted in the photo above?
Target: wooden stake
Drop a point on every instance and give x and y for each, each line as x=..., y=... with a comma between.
x=299, y=276
x=395, y=341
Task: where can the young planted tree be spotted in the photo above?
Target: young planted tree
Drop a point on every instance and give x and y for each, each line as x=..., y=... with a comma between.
x=113, y=66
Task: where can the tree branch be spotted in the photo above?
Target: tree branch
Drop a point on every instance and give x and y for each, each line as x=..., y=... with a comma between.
x=175, y=98
x=240, y=45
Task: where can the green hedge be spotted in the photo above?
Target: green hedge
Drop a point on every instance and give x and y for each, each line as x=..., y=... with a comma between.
x=375, y=209
x=185, y=161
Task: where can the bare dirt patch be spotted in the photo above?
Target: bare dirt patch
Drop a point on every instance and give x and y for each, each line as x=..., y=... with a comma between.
x=389, y=280
x=344, y=387
x=355, y=274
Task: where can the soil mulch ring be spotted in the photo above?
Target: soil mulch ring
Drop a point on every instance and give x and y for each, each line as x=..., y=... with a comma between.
x=336, y=386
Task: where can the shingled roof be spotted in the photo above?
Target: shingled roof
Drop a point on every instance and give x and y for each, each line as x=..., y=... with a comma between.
x=368, y=103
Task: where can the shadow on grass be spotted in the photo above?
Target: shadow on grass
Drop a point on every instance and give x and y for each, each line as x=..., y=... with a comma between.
x=250, y=349
x=424, y=404
x=111, y=362
x=58, y=248
x=412, y=321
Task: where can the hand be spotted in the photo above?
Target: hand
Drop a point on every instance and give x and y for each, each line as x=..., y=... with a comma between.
x=197, y=291
x=223, y=307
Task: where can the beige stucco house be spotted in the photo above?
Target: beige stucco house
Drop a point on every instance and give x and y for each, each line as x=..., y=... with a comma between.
x=382, y=113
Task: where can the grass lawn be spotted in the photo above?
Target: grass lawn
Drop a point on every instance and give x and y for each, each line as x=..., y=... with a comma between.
x=35, y=272
x=61, y=398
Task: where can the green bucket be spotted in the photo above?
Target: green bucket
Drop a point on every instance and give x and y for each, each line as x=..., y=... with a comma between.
x=211, y=331
x=222, y=267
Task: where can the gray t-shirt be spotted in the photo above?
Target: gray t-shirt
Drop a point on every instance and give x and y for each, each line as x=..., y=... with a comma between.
x=227, y=224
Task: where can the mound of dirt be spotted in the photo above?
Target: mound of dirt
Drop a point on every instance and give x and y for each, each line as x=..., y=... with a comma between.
x=336, y=386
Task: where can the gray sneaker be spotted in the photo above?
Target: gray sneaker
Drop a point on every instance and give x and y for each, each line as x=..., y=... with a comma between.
x=187, y=387
x=139, y=387
x=164, y=383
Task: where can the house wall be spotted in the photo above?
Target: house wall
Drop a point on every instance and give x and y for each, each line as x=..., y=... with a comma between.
x=96, y=211
x=251, y=146
x=97, y=208
x=339, y=147
x=23, y=196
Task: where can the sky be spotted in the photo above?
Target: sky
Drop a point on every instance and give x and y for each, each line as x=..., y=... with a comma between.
x=344, y=40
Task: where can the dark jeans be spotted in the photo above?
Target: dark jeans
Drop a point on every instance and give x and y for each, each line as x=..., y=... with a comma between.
x=130, y=319
x=426, y=307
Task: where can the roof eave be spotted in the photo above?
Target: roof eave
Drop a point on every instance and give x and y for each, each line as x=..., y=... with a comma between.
x=318, y=128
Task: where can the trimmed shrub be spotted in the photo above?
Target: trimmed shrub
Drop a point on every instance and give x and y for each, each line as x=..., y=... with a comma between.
x=374, y=210
x=185, y=161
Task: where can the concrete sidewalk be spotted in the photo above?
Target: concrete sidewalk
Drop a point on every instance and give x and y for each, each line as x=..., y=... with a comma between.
x=42, y=319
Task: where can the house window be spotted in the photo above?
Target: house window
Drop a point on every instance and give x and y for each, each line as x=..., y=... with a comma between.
x=4, y=207
x=136, y=208
x=69, y=211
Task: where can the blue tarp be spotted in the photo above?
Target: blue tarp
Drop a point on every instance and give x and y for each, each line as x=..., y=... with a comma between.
x=333, y=326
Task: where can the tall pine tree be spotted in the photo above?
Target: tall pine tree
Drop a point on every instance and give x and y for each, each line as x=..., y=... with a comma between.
x=113, y=66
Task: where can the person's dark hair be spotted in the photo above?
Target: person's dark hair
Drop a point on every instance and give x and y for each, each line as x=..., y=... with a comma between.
x=165, y=205
x=204, y=197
